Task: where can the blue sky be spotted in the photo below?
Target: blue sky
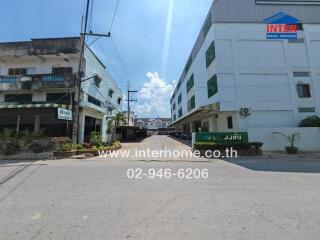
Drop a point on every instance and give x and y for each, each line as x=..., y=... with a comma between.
x=153, y=37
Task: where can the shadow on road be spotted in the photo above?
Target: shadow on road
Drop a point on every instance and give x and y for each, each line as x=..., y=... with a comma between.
x=183, y=141
x=279, y=165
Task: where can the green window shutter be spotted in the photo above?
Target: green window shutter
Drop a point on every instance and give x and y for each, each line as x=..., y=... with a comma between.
x=212, y=85
x=207, y=25
x=180, y=112
x=210, y=54
x=191, y=103
x=179, y=98
x=190, y=83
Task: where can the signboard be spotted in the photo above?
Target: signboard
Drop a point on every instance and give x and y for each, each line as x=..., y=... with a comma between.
x=222, y=137
x=64, y=114
x=282, y=26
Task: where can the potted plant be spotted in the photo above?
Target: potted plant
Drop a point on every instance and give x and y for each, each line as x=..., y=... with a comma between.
x=292, y=139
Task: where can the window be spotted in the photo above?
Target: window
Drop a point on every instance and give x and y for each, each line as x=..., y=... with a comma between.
x=110, y=93
x=180, y=98
x=191, y=103
x=180, y=112
x=210, y=54
x=303, y=90
x=307, y=109
x=230, y=122
x=17, y=71
x=207, y=25
x=190, y=83
x=61, y=70
x=18, y=98
x=97, y=81
x=94, y=101
x=174, y=117
x=174, y=107
x=61, y=98
x=212, y=85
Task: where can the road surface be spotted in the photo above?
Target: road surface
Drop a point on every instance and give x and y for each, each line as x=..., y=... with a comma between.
x=94, y=199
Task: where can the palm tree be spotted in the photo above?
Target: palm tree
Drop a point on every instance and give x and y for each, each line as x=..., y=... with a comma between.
x=117, y=120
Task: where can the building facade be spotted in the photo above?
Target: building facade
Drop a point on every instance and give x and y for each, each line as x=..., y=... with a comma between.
x=37, y=87
x=152, y=123
x=236, y=78
x=131, y=120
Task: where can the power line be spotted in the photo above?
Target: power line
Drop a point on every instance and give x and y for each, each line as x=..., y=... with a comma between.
x=111, y=25
x=114, y=15
x=120, y=59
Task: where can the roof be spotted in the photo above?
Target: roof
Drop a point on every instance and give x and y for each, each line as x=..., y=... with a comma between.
x=44, y=46
x=253, y=11
x=153, y=119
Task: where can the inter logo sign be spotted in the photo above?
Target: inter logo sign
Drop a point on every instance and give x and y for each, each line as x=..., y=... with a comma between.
x=282, y=26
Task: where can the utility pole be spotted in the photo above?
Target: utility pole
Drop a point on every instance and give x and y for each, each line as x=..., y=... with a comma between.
x=76, y=122
x=129, y=100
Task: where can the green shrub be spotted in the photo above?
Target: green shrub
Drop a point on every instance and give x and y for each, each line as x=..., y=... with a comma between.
x=95, y=139
x=69, y=147
x=215, y=146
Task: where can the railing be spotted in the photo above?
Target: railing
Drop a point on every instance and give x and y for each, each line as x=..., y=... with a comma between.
x=8, y=79
x=56, y=81
x=38, y=81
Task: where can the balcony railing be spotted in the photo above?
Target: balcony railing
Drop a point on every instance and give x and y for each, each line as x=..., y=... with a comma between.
x=37, y=82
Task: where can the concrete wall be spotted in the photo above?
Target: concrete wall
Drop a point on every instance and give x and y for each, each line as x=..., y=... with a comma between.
x=309, y=139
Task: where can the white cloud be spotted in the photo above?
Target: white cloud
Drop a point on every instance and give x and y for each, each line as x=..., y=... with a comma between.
x=154, y=97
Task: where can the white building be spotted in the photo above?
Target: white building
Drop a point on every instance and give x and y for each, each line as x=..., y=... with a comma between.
x=236, y=79
x=131, y=120
x=37, y=77
x=152, y=123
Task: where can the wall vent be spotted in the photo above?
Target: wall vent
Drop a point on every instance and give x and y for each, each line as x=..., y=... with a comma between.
x=307, y=110
x=301, y=74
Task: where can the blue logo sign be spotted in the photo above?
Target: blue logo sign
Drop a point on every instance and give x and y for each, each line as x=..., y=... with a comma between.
x=282, y=26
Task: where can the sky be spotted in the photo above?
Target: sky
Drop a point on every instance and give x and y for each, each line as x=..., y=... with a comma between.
x=151, y=39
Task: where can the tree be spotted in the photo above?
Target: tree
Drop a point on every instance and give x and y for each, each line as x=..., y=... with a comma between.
x=312, y=121
x=118, y=119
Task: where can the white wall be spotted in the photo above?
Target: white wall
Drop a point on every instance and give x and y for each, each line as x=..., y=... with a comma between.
x=257, y=73
x=309, y=138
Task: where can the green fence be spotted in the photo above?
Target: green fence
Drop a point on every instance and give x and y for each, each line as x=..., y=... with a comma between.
x=222, y=137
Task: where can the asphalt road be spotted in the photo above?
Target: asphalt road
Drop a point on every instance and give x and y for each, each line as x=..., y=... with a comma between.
x=94, y=199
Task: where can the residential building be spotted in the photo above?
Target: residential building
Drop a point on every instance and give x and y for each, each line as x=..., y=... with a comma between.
x=152, y=123
x=236, y=78
x=132, y=118
x=37, y=84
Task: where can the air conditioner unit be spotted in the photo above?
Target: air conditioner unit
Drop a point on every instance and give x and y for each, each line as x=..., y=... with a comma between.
x=245, y=111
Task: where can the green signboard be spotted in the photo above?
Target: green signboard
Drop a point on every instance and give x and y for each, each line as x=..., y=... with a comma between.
x=222, y=137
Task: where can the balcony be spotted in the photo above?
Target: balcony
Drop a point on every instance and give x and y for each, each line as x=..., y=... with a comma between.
x=36, y=82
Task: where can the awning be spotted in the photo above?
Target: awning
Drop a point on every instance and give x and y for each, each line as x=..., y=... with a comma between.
x=208, y=108
x=35, y=105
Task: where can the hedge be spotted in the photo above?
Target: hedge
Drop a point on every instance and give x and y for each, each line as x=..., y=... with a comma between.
x=236, y=146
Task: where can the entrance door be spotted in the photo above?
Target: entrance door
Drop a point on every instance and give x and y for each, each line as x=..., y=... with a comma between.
x=91, y=125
